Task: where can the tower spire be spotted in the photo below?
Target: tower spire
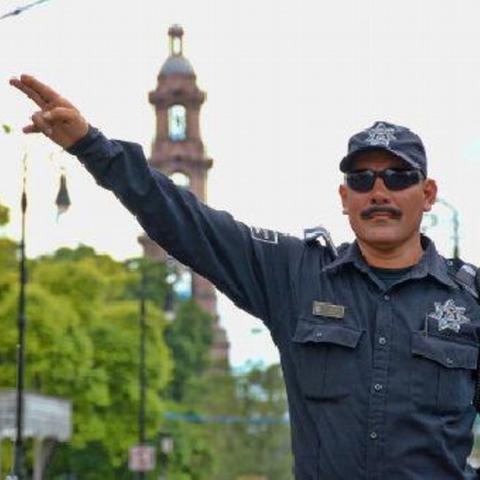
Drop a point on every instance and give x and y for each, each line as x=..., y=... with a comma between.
x=175, y=32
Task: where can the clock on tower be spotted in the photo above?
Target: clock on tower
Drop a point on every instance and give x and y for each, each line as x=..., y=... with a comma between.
x=177, y=123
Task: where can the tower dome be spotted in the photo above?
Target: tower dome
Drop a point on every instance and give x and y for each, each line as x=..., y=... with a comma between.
x=176, y=63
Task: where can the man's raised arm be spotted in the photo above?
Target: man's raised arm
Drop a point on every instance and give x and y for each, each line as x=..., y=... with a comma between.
x=252, y=266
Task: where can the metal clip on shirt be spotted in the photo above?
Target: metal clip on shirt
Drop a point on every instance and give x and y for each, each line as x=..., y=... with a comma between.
x=317, y=234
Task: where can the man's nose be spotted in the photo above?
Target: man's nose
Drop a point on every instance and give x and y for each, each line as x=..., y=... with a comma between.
x=379, y=194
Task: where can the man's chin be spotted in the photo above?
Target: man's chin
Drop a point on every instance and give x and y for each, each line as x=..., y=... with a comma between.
x=382, y=238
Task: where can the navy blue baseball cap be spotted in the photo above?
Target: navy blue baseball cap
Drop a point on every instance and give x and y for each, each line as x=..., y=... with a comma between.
x=395, y=139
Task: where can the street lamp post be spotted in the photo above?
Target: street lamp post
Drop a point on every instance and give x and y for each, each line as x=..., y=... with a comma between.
x=63, y=202
x=17, y=467
x=166, y=448
x=171, y=278
x=142, y=369
x=22, y=324
x=142, y=456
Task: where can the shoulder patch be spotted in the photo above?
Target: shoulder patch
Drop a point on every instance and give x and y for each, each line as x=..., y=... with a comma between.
x=264, y=235
x=465, y=274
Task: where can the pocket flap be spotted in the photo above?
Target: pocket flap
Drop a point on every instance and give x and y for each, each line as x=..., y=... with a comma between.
x=447, y=353
x=311, y=332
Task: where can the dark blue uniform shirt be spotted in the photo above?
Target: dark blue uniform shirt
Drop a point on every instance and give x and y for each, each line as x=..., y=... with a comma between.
x=380, y=380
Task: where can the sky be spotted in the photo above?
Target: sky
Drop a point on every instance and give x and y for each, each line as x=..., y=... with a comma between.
x=287, y=84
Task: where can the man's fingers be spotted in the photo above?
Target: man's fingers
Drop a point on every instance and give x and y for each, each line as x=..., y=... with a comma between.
x=60, y=114
x=30, y=129
x=41, y=124
x=36, y=97
x=46, y=93
x=45, y=121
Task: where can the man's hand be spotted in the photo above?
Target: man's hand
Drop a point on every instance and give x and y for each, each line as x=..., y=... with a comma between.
x=57, y=118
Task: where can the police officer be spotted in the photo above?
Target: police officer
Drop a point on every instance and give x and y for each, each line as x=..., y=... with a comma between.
x=378, y=339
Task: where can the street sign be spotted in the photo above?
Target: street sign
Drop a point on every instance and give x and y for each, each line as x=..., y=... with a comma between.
x=141, y=458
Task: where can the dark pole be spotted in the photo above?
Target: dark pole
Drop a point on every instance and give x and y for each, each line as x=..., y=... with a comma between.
x=22, y=320
x=142, y=370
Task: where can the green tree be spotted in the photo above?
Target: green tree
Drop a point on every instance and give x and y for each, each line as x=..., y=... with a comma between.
x=8, y=261
x=258, y=442
x=190, y=339
x=4, y=215
x=83, y=344
x=241, y=419
x=154, y=283
x=218, y=438
x=8, y=266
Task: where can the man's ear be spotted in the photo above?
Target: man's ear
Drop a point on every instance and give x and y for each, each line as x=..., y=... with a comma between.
x=342, y=190
x=429, y=194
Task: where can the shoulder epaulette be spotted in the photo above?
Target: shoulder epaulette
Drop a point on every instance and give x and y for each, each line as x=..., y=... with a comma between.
x=465, y=274
x=317, y=234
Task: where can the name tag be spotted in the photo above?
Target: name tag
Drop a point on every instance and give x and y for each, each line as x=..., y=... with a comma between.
x=324, y=309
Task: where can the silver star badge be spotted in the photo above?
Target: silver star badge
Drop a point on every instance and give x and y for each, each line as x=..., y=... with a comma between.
x=449, y=316
x=380, y=134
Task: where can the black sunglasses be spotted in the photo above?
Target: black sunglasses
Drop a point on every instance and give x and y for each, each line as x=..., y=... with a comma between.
x=394, y=179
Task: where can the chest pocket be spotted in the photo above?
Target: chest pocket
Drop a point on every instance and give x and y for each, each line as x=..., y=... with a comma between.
x=326, y=357
x=442, y=377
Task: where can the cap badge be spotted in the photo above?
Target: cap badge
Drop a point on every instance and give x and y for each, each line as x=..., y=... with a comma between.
x=449, y=316
x=380, y=134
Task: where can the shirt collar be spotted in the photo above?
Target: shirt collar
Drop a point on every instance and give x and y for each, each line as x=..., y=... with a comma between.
x=431, y=263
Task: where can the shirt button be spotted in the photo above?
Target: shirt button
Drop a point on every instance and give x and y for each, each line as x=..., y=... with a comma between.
x=373, y=435
x=386, y=298
x=449, y=361
x=318, y=335
x=382, y=340
x=377, y=387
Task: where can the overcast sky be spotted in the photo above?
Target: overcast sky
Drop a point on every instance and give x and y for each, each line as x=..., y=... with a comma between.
x=287, y=82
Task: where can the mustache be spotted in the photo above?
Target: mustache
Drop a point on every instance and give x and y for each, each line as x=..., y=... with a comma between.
x=369, y=212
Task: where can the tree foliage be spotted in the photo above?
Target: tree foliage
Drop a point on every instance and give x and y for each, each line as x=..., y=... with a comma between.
x=83, y=344
x=190, y=338
x=256, y=441
x=4, y=215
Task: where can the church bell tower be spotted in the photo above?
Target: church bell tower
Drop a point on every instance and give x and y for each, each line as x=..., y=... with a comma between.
x=178, y=152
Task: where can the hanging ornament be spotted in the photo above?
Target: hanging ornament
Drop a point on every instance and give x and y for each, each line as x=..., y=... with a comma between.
x=63, y=199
